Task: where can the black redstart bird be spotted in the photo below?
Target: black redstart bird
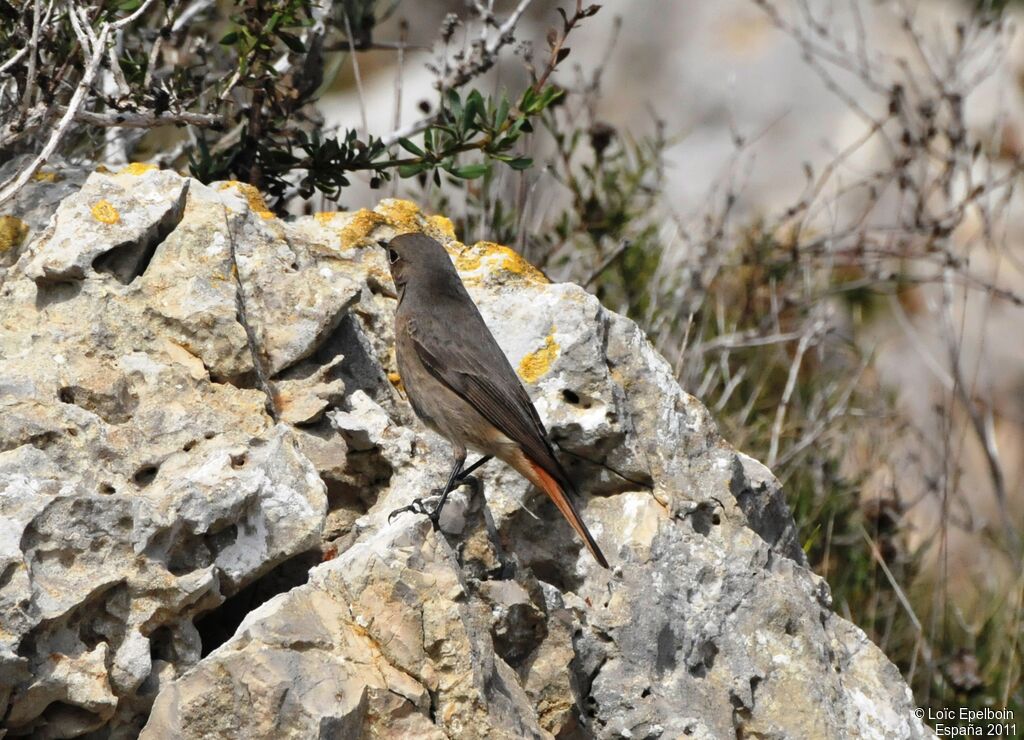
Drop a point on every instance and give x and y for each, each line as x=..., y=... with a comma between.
x=460, y=383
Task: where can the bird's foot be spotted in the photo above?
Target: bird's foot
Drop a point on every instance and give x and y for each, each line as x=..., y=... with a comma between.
x=417, y=507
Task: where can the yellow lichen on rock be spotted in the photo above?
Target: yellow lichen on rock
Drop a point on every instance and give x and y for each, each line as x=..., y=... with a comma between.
x=466, y=260
x=252, y=196
x=359, y=227
x=104, y=212
x=324, y=217
x=137, y=168
x=47, y=177
x=402, y=215
x=535, y=365
x=443, y=224
x=12, y=232
x=514, y=263
x=501, y=258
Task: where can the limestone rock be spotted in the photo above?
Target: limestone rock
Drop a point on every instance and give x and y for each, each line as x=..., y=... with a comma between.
x=126, y=222
x=348, y=655
x=198, y=402
x=31, y=209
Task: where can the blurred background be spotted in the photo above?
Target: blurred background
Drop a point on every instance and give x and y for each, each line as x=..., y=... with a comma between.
x=811, y=206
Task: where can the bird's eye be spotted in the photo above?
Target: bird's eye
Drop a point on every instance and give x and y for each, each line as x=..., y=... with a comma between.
x=393, y=256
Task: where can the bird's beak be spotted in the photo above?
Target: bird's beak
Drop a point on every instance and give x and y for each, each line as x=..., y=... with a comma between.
x=383, y=243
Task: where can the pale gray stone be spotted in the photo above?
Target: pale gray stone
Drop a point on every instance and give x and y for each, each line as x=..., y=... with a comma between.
x=158, y=526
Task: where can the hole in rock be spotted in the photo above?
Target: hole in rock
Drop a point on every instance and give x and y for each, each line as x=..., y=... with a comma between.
x=217, y=542
x=356, y=487
x=703, y=518
x=44, y=440
x=706, y=653
x=51, y=292
x=550, y=551
x=216, y=627
x=574, y=398
x=246, y=381
x=189, y=446
x=555, y=574
x=114, y=406
x=161, y=645
x=238, y=461
x=145, y=475
x=666, y=656
x=344, y=495
x=69, y=717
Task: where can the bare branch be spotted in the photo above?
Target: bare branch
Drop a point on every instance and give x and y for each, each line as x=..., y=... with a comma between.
x=255, y=351
x=482, y=58
x=33, y=48
x=359, y=78
x=14, y=59
x=99, y=48
x=346, y=45
x=191, y=11
x=13, y=185
x=780, y=413
x=115, y=66
x=147, y=119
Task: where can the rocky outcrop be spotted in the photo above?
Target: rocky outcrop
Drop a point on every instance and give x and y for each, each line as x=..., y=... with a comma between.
x=202, y=434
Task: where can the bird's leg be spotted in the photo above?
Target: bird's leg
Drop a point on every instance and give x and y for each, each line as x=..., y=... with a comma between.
x=464, y=478
x=468, y=471
x=454, y=480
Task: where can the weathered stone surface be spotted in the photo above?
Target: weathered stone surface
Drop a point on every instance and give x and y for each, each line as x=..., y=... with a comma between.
x=150, y=506
x=29, y=212
x=382, y=638
x=127, y=222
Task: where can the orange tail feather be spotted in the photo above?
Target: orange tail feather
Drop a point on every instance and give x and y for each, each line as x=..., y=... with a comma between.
x=553, y=490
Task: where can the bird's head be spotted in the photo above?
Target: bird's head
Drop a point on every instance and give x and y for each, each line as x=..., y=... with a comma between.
x=416, y=258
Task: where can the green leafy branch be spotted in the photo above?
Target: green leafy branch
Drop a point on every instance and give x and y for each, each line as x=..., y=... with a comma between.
x=491, y=127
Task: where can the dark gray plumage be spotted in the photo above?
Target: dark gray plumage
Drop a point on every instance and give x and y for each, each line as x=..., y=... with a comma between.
x=460, y=383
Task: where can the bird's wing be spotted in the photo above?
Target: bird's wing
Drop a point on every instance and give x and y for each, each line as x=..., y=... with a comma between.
x=475, y=368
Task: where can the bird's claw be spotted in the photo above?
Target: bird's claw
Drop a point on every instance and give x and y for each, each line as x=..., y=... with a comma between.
x=417, y=507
